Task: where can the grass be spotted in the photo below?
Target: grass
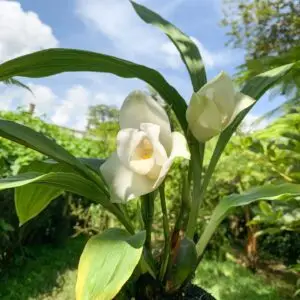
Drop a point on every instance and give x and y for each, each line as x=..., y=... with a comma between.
x=230, y=281
x=51, y=274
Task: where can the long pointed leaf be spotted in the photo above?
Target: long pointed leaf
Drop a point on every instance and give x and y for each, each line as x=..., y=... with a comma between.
x=189, y=52
x=31, y=199
x=268, y=192
x=37, y=141
x=62, y=181
x=54, y=61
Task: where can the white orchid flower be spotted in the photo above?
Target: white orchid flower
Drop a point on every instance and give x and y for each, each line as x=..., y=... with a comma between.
x=146, y=148
x=214, y=107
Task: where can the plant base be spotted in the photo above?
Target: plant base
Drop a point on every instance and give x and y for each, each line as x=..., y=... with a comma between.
x=191, y=292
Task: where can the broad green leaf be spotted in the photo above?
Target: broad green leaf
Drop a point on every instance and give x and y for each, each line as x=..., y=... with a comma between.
x=31, y=199
x=93, y=163
x=269, y=192
x=30, y=138
x=46, y=166
x=184, y=261
x=107, y=262
x=266, y=208
x=189, y=52
x=54, y=61
x=71, y=182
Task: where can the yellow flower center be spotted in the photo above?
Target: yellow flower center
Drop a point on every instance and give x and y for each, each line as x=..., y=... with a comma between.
x=144, y=150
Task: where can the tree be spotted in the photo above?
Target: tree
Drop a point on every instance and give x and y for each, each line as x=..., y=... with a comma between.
x=103, y=122
x=262, y=27
x=101, y=113
x=269, y=31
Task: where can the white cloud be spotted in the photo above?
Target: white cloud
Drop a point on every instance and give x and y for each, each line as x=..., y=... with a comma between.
x=130, y=36
x=43, y=98
x=250, y=123
x=214, y=59
x=133, y=39
x=22, y=32
x=73, y=108
x=69, y=109
x=172, y=6
x=109, y=99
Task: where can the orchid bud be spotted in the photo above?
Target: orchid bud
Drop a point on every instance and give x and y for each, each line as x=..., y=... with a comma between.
x=214, y=107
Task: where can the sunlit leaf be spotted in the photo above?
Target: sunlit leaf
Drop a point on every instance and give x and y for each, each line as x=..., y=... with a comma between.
x=107, y=262
x=268, y=192
x=27, y=209
x=189, y=52
x=37, y=141
x=54, y=61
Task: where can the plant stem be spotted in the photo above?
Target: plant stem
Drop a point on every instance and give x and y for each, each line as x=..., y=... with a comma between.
x=122, y=218
x=197, y=155
x=147, y=207
x=185, y=203
x=167, y=246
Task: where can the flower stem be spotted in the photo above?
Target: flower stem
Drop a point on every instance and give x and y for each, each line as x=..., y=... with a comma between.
x=185, y=203
x=197, y=153
x=147, y=207
x=114, y=209
x=167, y=246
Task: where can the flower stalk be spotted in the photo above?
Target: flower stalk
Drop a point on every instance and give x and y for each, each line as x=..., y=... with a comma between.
x=167, y=246
x=147, y=207
x=197, y=156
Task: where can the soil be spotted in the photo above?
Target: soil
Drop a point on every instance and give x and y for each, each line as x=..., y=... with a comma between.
x=149, y=289
x=192, y=292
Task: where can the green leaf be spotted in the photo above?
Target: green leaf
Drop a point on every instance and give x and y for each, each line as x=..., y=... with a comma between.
x=27, y=209
x=93, y=163
x=269, y=192
x=189, y=52
x=30, y=138
x=266, y=208
x=12, y=81
x=107, y=262
x=31, y=199
x=184, y=261
x=255, y=88
x=54, y=61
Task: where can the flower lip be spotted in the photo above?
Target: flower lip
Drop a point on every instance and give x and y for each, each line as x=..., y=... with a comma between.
x=144, y=149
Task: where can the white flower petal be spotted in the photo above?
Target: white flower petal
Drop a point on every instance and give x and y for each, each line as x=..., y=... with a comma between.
x=152, y=132
x=221, y=90
x=179, y=149
x=204, y=118
x=195, y=109
x=127, y=141
x=142, y=166
x=139, y=108
x=124, y=183
x=242, y=101
x=179, y=146
x=203, y=134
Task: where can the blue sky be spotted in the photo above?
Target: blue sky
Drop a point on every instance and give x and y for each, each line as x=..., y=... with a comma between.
x=111, y=27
